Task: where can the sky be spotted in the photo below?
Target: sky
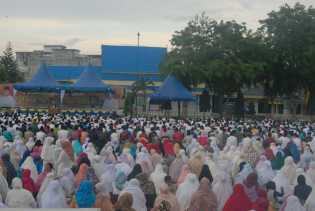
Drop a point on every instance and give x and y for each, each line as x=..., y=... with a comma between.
x=87, y=24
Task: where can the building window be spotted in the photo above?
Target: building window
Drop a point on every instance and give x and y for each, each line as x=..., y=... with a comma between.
x=264, y=107
x=280, y=108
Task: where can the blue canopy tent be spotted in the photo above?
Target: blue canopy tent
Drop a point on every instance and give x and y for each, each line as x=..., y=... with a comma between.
x=89, y=81
x=171, y=90
x=41, y=82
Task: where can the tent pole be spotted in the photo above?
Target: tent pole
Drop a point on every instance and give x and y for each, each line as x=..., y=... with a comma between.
x=178, y=104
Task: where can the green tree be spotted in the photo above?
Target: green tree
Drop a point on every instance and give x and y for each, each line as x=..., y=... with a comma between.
x=9, y=64
x=221, y=55
x=289, y=35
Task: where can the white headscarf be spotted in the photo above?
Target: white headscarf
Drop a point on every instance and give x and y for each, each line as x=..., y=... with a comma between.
x=222, y=187
x=186, y=190
x=53, y=196
x=19, y=197
x=139, y=201
x=292, y=203
x=29, y=164
x=264, y=170
x=282, y=181
x=311, y=172
x=67, y=181
x=49, y=178
x=289, y=169
x=310, y=202
x=48, y=150
x=108, y=177
x=157, y=177
x=4, y=188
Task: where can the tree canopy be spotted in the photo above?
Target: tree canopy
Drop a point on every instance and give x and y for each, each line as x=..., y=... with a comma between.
x=9, y=72
x=227, y=56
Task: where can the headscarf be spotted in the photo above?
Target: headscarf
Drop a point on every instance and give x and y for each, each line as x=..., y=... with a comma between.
x=9, y=168
x=18, y=197
x=186, y=190
x=157, y=177
x=176, y=167
x=166, y=195
x=146, y=185
x=108, y=177
x=67, y=147
x=311, y=172
x=28, y=182
x=203, y=198
x=67, y=181
x=251, y=186
x=4, y=187
x=302, y=190
x=292, y=203
x=29, y=164
x=77, y=147
x=85, y=196
x=238, y=200
x=50, y=176
x=125, y=202
x=53, y=196
x=81, y=175
x=264, y=170
x=289, y=169
x=120, y=180
x=183, y=173
x=222, y=187
x=205, y=172
x=196, y=164
x=103, y=202
x=139, y=201
x=137, y=169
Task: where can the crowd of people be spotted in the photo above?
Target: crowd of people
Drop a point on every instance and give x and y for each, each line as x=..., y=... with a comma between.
x=121, y=163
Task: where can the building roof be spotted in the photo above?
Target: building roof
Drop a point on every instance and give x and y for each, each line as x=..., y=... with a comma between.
x=41, y=81
x=131, y=59
x=90, y=81
x=171, y=90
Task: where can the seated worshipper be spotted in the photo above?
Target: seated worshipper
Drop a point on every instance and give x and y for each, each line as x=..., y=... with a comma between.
x=262, y=203
x=157, y=177
x=148, y=189
x=175, y=167
x=205, y=172
x=124, y=203
x=222, y=187
x=264, y=170
x=166, y=195
x=302, y=190
x=186, y=190
x=310, y=202
x=306, y=158
x=47, y=153
x=18, y=197
x=238, y=200
x=119, y=183
x=30, y=165
x=156, y=158
x=251, y=186
x=81, y=175
x=183, y=173
x=274, y=197
x=50, y=177
x=4, y=187
x=40, y=179
x=139, y=201
x=245, y=170
x=28, y=183
x=196, y=164
x=292, y=203
x=203, y=198
x=171, y=184
x=54, y=196
x=310, y=173
x=67, y=182
x=8, y=168
x=84, y=196
x=289, y=169
x=103, y=199
x=137, y=169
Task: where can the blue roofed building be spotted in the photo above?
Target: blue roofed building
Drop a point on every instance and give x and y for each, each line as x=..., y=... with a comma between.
x=120, y=65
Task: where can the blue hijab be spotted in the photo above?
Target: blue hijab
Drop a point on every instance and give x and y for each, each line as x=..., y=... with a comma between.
x=77, y=147
x=85, y=196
